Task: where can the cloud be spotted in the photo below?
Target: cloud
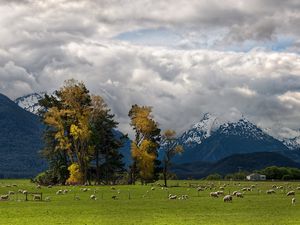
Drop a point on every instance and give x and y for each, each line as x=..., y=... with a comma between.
x=42, y=43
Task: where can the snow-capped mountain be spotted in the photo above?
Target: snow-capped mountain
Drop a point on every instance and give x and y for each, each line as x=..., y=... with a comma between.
x=30, y=102
x=201, y=130
x=211, y=140
x=292, y=143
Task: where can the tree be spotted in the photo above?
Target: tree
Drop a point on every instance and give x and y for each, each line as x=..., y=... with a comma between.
x=105, y=143
x=144, y=147
x=170, y=149
x=70, y=124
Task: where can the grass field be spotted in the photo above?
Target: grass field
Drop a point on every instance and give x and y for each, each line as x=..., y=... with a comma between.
x=141, y=205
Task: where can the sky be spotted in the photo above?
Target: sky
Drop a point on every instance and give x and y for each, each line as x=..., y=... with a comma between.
x=184, y=58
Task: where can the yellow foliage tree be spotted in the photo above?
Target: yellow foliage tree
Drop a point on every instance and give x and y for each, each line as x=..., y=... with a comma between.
x=144, y=148
x=75, y=174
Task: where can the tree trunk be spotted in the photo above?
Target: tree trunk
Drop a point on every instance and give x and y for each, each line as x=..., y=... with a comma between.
x=97, y=168
x=165, y=170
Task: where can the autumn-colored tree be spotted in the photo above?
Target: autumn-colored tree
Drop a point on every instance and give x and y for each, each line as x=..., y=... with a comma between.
x=144, y=147
x=75, y=174
x=70, y=123
x=170, y=149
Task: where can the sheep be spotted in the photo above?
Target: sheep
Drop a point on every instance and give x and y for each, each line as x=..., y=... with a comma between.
x=153, y=188
x=235, y=192
x=47, y=199
x=11, y=192
x=59, y=192
x=214, y=194
x=172, y=197
x=20, y=191
x=200, y=189
x=37, y=198
x=297, y=188
x=239, y=195
x=271, y=191
x=4, y=197
x=293, y=201
x=84, y=189
x=93, y=197
x=220, y=192
x=65, y=191
x=290, y=193
x=227, y=198
x=24, y=192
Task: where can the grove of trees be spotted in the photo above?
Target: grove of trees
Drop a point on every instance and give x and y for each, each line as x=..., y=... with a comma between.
x=80, y=144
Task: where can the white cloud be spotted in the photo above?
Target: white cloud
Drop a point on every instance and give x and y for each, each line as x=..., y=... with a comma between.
x=42, y=43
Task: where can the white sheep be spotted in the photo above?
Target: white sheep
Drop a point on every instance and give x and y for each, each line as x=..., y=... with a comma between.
x=93, y=197
x=4, y=197
x=220, y=192
x=239, y=195
x=11, y=192
x=37, y=197
x=214, y=194
x=172, y=197
x=227, y=198
x=293, y=201
x=271, y=191
x=25, y=192
x=234, y=193
x=290, y=193
x=153, y=188
x=59, y=192
x=65, y=191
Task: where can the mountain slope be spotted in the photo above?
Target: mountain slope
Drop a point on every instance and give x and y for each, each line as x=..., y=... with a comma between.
x=227, y=139
x=20, y=141
x=30, y=102
x=247, y=162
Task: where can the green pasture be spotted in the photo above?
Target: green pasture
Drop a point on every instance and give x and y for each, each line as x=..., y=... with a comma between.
x=141, y=205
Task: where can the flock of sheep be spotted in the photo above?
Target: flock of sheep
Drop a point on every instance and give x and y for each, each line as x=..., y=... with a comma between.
x=216, y=193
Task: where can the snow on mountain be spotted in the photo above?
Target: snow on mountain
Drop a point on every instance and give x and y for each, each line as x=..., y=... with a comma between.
x=201, y=130
x=30, y=102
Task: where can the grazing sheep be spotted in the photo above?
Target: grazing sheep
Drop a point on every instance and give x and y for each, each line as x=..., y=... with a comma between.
x=65, y=191
x=59, y=192
x=4, y=197
x=227, y=198
x=214, y=194
x=293, y=201
x=297, y=188
x=239, y=195
x=220, y=192
x=271, y=191
x=20, y=191
x=25, y=192
x=234, y=193
x=172, y=197
x=93, y=197
x=244, y=189
x=153, y=188
x=11, y=192
x=37, y=198
x=84, y=189
x=290, y=193
x=200, y=189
